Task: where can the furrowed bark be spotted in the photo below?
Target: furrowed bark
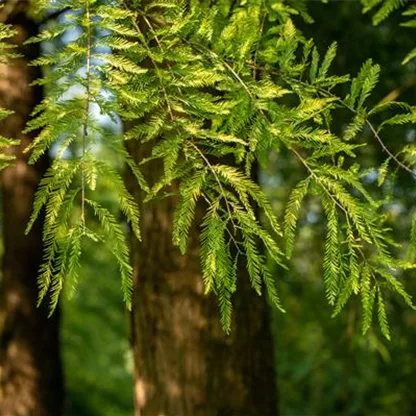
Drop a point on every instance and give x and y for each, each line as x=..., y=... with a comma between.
x=31, y=381
x=185, y=365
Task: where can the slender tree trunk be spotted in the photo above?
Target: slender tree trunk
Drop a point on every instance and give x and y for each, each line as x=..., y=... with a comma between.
x=31, y=382
x=184, y=363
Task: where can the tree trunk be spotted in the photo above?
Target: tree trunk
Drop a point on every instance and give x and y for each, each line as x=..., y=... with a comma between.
x=31, y=382
x=184, y=363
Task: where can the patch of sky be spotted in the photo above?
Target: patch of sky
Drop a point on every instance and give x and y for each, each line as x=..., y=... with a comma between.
x=270, y=181
x=371, y=176
x=410, y=135
x=109, y=122
x=312, y=218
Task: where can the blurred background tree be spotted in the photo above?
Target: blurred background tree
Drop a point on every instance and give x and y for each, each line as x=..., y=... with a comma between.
x=31, y=381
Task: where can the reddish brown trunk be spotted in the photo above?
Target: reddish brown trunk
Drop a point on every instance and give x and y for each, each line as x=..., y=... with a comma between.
x=30, y=366
x=184, y=363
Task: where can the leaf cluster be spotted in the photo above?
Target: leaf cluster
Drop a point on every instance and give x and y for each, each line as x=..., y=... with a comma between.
x=214, y=87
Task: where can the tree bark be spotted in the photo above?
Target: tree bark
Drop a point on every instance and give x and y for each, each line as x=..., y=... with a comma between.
x=31, y=382
x=184, y=363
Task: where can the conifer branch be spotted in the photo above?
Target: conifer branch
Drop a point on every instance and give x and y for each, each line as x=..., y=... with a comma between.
x=386, y=149
x=317, y=179
x=205, y=159
x=155, y=65
x=329, y=94
x=211, y=107
x=370, y=125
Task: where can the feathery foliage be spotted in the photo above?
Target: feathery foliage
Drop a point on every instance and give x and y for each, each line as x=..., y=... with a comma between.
x=68, y=121
x=384, y=8
x=214, y=86
x=411, y=14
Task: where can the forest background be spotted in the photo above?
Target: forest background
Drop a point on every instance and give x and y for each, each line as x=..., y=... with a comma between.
x=323, y=365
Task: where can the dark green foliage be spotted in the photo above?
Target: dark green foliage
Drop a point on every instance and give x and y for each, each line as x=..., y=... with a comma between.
x=383, y=8
x=95, y=332
x=411, y=13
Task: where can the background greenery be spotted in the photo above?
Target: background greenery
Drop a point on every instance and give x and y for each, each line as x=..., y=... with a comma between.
x=325, y=366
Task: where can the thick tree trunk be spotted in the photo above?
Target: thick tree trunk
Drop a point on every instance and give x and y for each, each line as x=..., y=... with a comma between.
x=184, y=363
x=31, y=382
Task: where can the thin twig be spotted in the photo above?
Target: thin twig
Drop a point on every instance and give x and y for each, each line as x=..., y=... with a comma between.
x=87, y=109
x=208, y=163
x=156, y=66
x=149, y=25
x=136, y=26
x=385, y=148
x=223, y=62
x=263, y=21
x=370, y=125
x=317, y=179
x=236, y=243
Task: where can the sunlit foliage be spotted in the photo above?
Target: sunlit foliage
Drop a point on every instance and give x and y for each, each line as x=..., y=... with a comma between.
x=215, y=86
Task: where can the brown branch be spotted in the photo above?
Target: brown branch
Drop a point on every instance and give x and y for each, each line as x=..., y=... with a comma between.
x=385, y=148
